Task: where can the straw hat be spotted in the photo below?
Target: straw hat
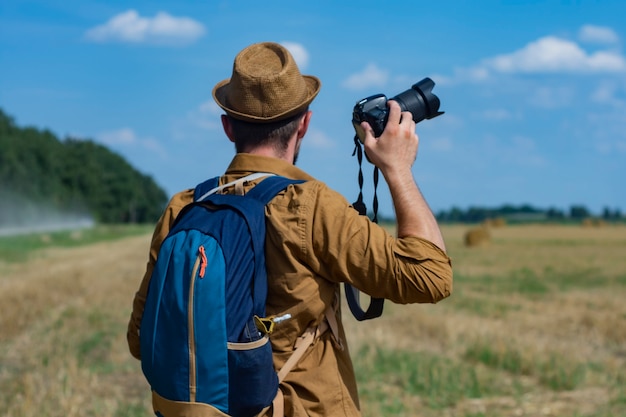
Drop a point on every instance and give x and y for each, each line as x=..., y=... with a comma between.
x=266, y=85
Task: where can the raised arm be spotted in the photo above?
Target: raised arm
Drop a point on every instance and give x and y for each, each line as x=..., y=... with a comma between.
x=394, y=153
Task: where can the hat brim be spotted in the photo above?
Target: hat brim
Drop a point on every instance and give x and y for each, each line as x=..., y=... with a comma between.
x=221, y=89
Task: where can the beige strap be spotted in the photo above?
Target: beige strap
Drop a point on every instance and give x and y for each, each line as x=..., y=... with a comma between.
x=250, y=177
x=301, y=345
x=307, y=339
x=239, y=188
x=169, y=408
x=278, y=405
x=331, y=318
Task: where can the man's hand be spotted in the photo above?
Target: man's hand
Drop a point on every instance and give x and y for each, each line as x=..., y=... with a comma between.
x=396, y=148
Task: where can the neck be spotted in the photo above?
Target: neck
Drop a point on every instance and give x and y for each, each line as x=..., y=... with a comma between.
x=288, y=154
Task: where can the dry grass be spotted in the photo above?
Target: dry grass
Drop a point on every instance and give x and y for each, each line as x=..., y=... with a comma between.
x=536, y=327
x=62, y=341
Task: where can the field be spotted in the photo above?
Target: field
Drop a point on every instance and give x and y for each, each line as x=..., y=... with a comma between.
x=536, y=326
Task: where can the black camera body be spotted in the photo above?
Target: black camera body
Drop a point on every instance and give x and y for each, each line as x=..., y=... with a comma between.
x=419, y=100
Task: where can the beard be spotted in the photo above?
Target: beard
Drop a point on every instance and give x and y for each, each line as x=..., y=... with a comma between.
x=296, y=152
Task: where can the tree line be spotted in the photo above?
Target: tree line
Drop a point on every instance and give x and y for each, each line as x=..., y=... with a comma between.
x=527, y=213
x=37, y=166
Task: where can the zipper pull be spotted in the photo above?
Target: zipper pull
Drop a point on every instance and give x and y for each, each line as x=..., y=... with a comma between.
x=203, y=261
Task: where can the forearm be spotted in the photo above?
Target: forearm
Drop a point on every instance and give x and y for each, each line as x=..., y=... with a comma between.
x=413, y=215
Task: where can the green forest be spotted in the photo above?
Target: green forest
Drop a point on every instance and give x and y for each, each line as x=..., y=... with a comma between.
x=70, y=175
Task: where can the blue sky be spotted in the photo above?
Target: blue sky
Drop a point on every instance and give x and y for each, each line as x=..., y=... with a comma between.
x=534, y=92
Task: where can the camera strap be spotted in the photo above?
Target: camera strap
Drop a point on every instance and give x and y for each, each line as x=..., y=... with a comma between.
x=359, y=204
x=375, y=308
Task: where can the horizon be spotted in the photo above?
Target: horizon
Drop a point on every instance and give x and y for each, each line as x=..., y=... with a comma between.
x=535, y=107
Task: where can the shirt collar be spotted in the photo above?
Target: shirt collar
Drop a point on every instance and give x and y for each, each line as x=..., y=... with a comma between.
x=244, y=163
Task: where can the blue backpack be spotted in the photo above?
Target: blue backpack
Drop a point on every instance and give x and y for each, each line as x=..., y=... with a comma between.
x=204, y=336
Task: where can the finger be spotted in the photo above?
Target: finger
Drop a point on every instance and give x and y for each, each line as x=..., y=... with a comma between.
x=394, y=112
x=406, y=117
x=369, y=132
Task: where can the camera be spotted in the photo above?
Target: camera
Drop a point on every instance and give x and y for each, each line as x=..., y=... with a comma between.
x=419, y=100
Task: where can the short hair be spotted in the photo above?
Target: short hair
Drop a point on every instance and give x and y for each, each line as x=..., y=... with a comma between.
x=248, y=135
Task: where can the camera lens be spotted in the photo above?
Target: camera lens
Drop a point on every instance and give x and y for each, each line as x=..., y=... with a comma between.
x=420, y=101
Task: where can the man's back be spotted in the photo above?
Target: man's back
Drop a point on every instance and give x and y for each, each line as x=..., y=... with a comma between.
x=314, y=239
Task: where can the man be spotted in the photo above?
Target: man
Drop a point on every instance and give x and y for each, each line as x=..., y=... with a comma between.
x=315, y=240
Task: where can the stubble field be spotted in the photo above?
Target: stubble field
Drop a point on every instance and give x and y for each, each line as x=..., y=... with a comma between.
x=536, y=326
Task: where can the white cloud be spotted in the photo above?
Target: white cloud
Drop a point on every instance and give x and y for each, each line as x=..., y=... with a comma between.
x=127, y=138
x=607, y=148
x=299, y=53
x=498, y=114
x=195, y=123
x=524, y=144
x=598, y=34
x=318, y=139
x=552, y=97
x=609, y=93
x=512, y=151
x=206, y=116
x=162, y=29
x=549, y=54
x=371, y=76
x=442, y=144
x=474, y=74
x=552, y=54
x=124, y=136
x=210, y=107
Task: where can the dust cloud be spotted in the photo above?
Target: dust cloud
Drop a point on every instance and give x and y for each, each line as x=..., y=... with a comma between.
x=19, y=216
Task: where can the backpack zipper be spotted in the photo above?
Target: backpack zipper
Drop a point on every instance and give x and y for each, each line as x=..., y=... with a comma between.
x=203, y=261
x=199, y=268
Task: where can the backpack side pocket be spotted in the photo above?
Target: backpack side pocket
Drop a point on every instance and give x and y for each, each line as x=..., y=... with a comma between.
x=253, y=379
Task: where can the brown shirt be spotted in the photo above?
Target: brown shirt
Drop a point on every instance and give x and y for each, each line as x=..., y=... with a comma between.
x=314, y=242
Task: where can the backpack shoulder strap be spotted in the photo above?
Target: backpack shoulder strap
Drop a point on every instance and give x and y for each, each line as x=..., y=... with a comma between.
x=204, y=188
x=269, y=187
x=211, y=186
x=264, y=191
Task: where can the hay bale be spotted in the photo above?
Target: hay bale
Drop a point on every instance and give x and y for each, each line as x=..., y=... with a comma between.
x=495, y=223
x=499, y=222
x=588, y=222
x=600, y=223
x=477, y=236
x=594, y=222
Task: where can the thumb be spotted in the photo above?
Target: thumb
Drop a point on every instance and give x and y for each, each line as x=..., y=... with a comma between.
x=369, y=142
x=369, y=133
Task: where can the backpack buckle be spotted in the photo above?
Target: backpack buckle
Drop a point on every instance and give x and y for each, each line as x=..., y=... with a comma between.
x=264, y=324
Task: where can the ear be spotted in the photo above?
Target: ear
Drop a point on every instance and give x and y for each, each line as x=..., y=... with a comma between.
x=304, y=124
x=227, y=127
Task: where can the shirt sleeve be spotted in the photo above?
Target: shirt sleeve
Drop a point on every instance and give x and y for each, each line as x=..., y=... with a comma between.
x=343, y=246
